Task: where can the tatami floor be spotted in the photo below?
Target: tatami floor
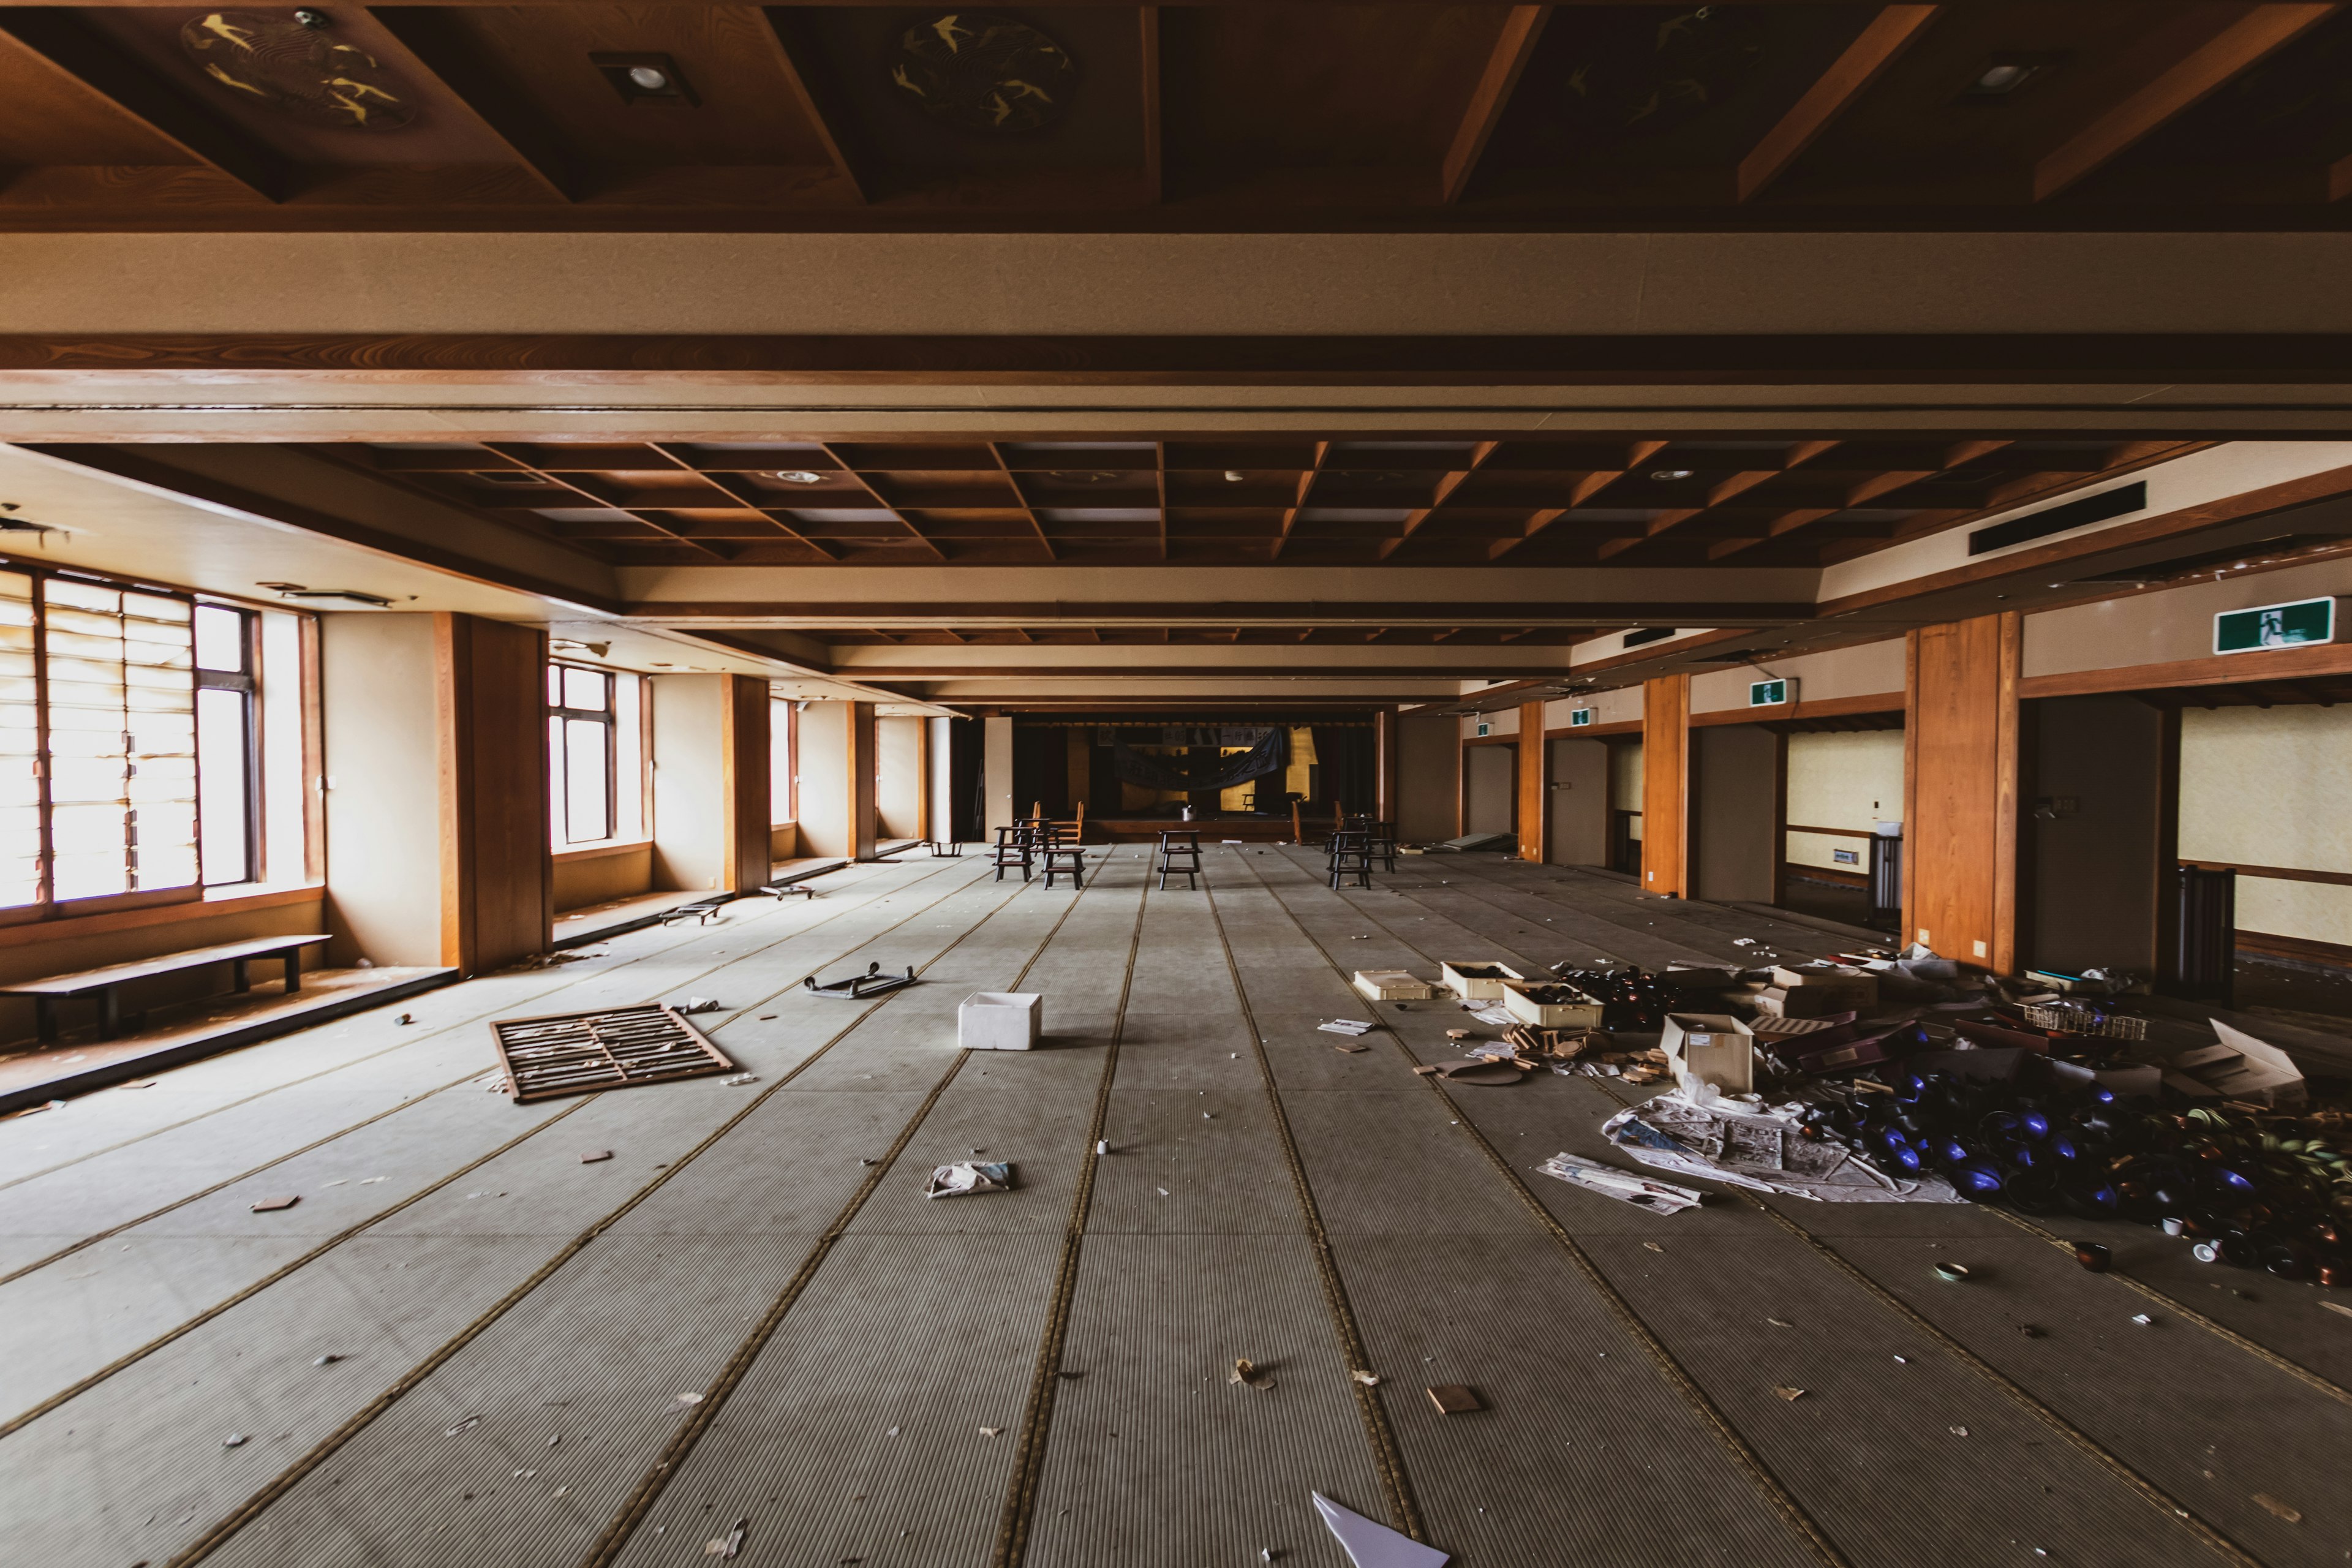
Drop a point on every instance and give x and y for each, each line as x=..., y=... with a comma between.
x=751, y=1314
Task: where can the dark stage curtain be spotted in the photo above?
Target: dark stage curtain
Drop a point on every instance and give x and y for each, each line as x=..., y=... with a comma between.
x=1269, y=754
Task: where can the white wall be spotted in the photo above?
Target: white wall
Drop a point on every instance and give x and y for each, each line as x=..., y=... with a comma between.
x=1872, y=669
x=689, y=827
x=1842, y=781
x=2272, y=787
x=380, y=709
x=996, y=766
x=1492, y=783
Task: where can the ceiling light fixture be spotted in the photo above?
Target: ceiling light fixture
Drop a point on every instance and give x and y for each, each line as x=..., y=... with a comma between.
x=295, y=591
x=799, y=477
x=2003, y=76
x=1668, y=474
x=1233, y=476
x=646, y=79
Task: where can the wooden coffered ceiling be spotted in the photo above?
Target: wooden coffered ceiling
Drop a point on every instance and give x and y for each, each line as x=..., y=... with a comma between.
x=1246, y=502
x=1996, y=113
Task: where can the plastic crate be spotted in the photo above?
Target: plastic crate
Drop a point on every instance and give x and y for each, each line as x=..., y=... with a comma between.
x=2070, y=1018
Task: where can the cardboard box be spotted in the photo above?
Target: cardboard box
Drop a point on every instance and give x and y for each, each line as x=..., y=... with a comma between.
x=1710, y=1047
x=2238, y=1067
x=1476, y=980
x=1550, y=1004
x=1000, y=1021
x=1392, y=985
x=1812, y=991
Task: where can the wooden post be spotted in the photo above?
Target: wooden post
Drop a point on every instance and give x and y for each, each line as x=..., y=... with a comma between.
x=496, y=860
x=1535, y=785
x=1960, y=790
x=1297, y=834
x=1665, y=785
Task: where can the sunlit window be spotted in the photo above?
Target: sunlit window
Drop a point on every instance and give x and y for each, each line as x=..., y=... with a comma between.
x=595, y=789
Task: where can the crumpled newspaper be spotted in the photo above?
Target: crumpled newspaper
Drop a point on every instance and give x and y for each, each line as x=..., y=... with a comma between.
x=1761, y=1148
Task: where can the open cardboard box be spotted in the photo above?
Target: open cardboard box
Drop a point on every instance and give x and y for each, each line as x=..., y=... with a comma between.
x=1710, y=1047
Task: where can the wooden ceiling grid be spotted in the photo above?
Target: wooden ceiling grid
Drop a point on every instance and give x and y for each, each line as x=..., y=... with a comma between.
x=1247, y=501
x=1998, y=113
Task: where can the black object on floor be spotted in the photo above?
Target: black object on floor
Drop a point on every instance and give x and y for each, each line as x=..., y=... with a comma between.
x=857, y=987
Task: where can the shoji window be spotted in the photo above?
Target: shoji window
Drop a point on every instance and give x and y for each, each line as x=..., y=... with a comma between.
x=21, y=838
x=118, y=695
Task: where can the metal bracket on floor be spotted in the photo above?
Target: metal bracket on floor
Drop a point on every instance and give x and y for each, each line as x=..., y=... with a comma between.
x=780, y=891
x=858, y=987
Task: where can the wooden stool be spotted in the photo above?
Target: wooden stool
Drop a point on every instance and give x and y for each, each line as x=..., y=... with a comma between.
x=1351, y=856
x=1383, y=844
x=1063, y=859
x=1180, y=853
x=1011, y=849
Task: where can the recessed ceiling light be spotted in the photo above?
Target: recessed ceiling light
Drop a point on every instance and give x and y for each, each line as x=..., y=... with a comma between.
x=646, y=79
x=1670, y=473
x=799, y=477
x=2004, y=75
x=1233, y=476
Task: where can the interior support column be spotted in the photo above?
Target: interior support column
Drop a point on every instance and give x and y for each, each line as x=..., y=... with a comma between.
x=1665, y=786
x=1959, y=790
x=497, y=867
x=712, y=791
x=837, y=779
x=1386, y=760
x=1534, y=784
x=996, y=775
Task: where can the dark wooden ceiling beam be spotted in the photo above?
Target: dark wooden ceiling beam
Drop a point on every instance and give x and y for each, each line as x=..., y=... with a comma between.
x=1148, y=99
x=2253, y=35
x=996, y=451
x=1877, y=47
x=1514, y=47
x=734, y=490
x=1298, y=502
x=599, y=499
x=796, y=87
x=1447, y=485
x=423, y=42
x=55, y=41
x=879, y=499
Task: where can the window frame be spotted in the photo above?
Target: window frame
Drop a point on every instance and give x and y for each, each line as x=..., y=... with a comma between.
x=247, y=681
x=46, y=906
x=561, y=717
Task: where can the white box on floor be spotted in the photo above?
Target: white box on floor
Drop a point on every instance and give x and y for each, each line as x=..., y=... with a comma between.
x=999, y=1021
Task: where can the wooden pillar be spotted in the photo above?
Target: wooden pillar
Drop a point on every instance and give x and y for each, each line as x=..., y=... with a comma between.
x=1665, y=786
x=497, y=865
x=1387, y=758
x=746, y=793
x=1959, y=790
x=1534, y=784
x=861, y=793
x=1079, y=758
x=996, y=774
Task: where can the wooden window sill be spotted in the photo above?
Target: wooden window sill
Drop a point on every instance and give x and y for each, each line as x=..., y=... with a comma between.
x=601, y=851
x=238, y=900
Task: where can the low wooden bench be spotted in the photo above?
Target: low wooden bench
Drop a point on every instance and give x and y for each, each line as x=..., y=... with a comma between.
x=287, y=950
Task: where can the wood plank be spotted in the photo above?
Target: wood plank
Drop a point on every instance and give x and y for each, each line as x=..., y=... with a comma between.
x=2276, y=873
x=796, y=87
x=1534, y=785
x=1147, y=104
x=1665, y=785
x=53, y=39
x=419, y=40
x=1514, y=46
x=1877, y=47
x=2259, y=31
x=2217, y=669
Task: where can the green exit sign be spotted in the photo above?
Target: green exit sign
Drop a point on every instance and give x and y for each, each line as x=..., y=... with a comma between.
x=1577, y=718
x=2298, y=625
x=1771, y=693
